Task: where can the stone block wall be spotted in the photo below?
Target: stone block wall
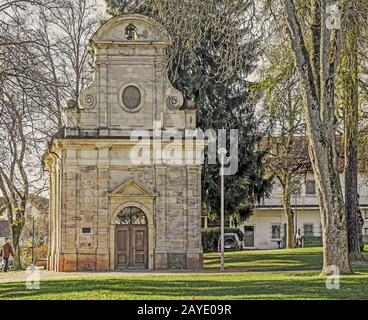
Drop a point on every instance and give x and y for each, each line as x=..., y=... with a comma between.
x=85, y=181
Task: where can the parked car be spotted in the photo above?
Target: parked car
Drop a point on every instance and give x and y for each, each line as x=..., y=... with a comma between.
x=231, y=242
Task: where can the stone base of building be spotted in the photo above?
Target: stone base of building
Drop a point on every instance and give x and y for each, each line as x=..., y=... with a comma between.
x=178, y=261
x=79, y=262
x=195, y=261
x=100, y=262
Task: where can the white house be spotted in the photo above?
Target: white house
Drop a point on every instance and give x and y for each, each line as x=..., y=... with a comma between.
x=266, y=227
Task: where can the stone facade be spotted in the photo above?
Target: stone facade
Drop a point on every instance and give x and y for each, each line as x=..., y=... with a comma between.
x=102, y=162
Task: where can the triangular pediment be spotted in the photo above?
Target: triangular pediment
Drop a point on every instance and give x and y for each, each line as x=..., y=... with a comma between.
x=133, y=187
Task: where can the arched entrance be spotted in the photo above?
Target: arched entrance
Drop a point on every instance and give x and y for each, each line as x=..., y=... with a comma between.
x=131, y=239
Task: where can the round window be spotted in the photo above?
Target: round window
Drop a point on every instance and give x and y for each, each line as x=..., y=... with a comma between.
x=131, y=97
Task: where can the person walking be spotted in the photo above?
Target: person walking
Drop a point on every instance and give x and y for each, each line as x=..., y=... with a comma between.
x=299, y=239
x=5, y=253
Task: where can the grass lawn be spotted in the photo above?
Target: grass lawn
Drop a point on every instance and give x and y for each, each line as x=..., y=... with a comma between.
x=268, y=260
x=263, y=280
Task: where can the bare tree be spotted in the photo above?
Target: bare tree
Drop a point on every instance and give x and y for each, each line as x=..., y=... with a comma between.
x=20, y=115
x=20, y=151
x=44, y=62
x=317, y=66
x=64, y=30
x=288, y=159
x=351, y=86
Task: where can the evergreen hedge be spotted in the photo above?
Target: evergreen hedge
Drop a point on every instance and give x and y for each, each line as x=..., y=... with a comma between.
x=312, y=241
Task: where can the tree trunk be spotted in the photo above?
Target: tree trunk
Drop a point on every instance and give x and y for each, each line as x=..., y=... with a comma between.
x=288, y=214
x=351, y=201
x=16, y=233
x=351, y=135
x=321, y=130
x=17, y=220
x=290, y=230
x=333, y=216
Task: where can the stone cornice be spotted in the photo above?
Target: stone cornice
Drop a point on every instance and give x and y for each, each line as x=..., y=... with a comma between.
x=100, y=143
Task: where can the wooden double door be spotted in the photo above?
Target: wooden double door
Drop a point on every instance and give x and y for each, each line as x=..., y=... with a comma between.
x=131, y=250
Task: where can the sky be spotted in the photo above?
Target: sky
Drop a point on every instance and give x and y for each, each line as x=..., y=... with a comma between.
x=101, y=5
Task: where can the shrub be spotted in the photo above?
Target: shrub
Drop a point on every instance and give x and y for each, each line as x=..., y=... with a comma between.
x=41, y=252
x=210, y=237
x=311, y=241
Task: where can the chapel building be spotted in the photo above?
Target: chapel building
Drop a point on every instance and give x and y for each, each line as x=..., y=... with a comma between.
x=125, y=182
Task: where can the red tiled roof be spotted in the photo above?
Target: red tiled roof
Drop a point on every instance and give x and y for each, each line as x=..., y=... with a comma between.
x=301, y=158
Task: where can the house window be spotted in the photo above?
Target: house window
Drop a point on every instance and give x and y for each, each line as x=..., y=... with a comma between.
x=86, y=230
x=310, y=187
x=276, y=231
x=308, y=230
x=366, y=231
